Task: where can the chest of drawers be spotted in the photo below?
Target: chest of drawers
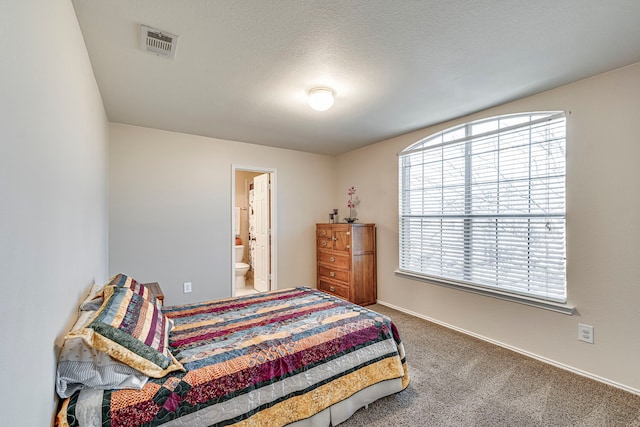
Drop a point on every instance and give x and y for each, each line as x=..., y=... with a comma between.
x=346, y=261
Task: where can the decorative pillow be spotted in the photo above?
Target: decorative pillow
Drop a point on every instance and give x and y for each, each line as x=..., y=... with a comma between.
x=124, y=281
x=132, y=330
x=95, y=300
x=80, y=367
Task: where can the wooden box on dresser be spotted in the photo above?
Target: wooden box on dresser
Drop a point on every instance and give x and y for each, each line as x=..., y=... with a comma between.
x=346, y=259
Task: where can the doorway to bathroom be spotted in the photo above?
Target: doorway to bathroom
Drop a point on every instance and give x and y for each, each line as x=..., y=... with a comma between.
x=253, y=230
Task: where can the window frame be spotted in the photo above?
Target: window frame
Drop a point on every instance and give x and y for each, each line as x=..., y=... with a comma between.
x=467, y=138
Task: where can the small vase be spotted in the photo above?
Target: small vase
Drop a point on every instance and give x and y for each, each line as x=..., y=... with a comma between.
x=350, y=220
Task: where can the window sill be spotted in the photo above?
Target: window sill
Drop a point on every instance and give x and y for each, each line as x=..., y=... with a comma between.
x=520, y=299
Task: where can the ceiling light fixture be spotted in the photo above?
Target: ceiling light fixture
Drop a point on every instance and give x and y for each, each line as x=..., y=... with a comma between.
x=321, y=98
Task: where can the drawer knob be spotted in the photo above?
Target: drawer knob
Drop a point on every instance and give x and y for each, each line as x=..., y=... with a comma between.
x=332, y=274
x=332, y=289
x=332, y=259
x=324, y=243
x=334, y=238
x=324, y=232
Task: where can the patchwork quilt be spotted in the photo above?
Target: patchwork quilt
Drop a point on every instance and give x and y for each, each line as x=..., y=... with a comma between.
x=259, y=360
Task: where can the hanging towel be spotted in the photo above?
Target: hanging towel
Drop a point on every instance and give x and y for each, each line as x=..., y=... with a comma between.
x=252, y=230
x=252, y=217
x=236, y=229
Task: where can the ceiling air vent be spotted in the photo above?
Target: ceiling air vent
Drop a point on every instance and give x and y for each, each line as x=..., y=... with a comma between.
x=158, y=42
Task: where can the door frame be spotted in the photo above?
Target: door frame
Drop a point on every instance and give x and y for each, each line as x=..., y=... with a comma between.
x=273, y=283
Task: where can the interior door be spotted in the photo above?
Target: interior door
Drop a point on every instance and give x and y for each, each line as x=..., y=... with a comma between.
x=262, y=262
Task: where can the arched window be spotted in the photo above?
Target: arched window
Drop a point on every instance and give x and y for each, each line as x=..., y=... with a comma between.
x=482, y=205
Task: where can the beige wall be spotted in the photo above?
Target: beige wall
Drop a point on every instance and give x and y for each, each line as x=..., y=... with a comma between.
x=170, y=209
x=603, y=234
x=53, y=192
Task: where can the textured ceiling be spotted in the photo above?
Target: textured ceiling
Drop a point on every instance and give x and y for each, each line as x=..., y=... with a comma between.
x=243, y=67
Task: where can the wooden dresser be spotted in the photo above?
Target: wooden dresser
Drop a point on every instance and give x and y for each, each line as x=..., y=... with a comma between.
x=156, y=290
x=346, y=258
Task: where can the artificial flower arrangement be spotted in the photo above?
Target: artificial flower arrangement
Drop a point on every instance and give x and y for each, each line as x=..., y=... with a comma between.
x=351, y=204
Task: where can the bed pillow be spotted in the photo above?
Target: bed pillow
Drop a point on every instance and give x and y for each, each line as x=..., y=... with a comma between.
x=95, y=299
x=80, y=367
x=132, y=330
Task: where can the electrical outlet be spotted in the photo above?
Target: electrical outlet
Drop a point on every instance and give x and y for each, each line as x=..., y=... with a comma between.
x=186, y=287
x=585, y=333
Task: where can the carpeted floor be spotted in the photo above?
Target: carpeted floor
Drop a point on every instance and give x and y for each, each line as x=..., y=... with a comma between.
x=457, y=380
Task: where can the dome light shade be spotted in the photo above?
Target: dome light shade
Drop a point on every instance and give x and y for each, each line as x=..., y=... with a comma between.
x=320, y=99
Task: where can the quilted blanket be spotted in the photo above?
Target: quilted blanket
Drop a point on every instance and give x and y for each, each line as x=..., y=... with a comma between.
x=262, y=360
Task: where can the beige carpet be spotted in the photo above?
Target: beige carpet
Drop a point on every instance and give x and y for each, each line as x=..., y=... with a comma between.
x=457, y=380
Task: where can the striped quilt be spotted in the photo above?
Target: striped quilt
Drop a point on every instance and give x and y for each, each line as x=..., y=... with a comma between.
x=261, y=360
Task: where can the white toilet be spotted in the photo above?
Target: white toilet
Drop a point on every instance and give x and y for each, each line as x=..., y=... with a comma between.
x=241, y=267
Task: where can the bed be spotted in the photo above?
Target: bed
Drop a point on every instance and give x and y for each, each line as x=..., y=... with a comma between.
x=295, y=357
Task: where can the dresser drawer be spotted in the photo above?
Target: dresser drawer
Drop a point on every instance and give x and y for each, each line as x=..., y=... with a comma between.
x=337, y=261
x=333, y=273
x=325, y=243
x=324, y=232
x=332, y=288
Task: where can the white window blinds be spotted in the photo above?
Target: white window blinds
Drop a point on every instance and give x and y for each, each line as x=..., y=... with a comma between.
x=483, y=204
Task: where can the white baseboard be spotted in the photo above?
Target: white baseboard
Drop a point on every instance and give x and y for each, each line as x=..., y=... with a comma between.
x=517, y=350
